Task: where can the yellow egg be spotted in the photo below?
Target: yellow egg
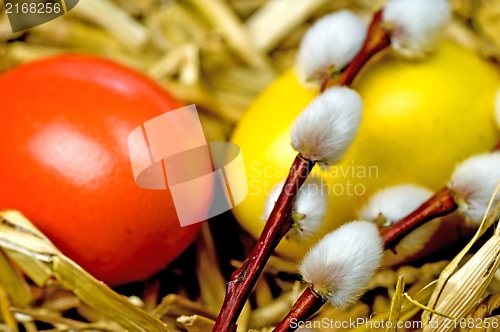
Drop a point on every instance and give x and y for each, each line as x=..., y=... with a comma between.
x=419, y=120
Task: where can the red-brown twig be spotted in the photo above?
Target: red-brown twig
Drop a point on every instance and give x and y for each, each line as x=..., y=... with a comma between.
x=338, y=268
x=243, y=279
x=442, y=203
x=306, y=306
x=310, y=302
x=376, y=40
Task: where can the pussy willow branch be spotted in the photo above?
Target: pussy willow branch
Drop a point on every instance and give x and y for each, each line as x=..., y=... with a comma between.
x=441, y=204
x=278, y=224
x=377, y=39
x=310, y=302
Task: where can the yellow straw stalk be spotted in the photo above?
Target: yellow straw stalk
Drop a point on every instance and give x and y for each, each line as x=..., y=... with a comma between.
x=458, y=293
x=465, y=289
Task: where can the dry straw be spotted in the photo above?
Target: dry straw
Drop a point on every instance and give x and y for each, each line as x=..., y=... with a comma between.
x=459, y=291
x=41, y=261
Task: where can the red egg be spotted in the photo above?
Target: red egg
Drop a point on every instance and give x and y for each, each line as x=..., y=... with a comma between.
x=65, y=164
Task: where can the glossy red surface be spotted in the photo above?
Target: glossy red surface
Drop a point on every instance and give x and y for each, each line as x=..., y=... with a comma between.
x=65, y=165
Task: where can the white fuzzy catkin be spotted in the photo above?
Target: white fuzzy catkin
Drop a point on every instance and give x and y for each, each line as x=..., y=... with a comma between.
x=343, y=262
x=473, y=183
x=325, y=129
x=416, y=26
x=497, y=107
x=311, y=202
x=330, y=44
x=394, y=203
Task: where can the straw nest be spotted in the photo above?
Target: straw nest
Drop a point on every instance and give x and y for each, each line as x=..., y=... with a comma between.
x=218, y=55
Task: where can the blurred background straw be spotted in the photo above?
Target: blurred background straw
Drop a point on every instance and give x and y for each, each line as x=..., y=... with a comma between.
x=218, y=54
